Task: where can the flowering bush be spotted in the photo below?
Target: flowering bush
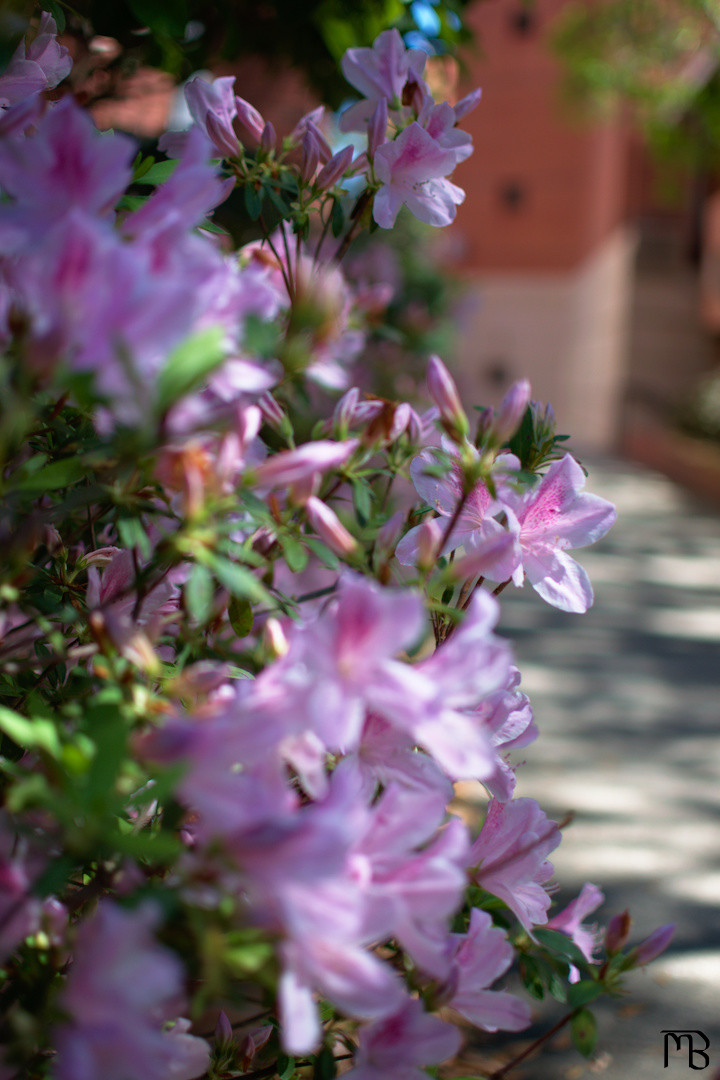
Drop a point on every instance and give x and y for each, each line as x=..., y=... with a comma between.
x=227, y=845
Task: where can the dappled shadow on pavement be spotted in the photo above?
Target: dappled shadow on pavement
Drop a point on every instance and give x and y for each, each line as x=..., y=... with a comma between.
x=627, y=700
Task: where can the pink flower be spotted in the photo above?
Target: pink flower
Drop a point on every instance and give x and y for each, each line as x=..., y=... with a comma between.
x=299, y=465
x=379, y=72
x=653, y=945
x=476, y=526
x=329, y=528
x=343, y=662
x=41, y=65
x=213, y=107
x=122, y=989
x=396, y=1047
x=67, y=164
x=569, y=921
x=552, y=517
x=509, y=857
x=483, y=955
x=410, y=169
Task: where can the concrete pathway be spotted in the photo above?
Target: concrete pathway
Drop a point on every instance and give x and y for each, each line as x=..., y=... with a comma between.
x=627, y=699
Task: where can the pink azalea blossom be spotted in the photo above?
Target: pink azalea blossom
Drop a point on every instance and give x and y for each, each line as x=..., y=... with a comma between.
x=340, y=664
x=213, y=107
x=510, y=857
x=569, y=921
x=122, y=989
x=482, y=956
x=41, y=65
x=379, y=72
x=396, y=1047
x=552, y=517
x=476, y=526
x=410, y=169
x=507, y=717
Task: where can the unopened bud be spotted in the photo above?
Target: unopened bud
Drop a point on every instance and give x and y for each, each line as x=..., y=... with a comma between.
x=400, y=420
x=310, y=157
x=510, y=411
x=429, y=538
x=223, y=1031
x=617, y=932
x=225, y=140
x=268, y=139
x=249, y=118
x=274, y=639
x=444, y=393
x=467, y=104
x=377, y=128
x=335, y=168
x=329, y=528
x=653, y=945
x=389, y=535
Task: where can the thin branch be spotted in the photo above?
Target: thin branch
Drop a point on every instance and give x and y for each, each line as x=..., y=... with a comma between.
x=500, y=1074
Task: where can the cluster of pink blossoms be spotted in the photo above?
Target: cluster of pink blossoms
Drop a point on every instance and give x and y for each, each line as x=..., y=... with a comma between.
x=307, y=797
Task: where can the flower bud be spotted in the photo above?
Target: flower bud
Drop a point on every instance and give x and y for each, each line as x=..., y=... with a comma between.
x=444, y=393
x=272, y=414
x=389, y=535
x=335, y=168
x=249, y=118
x=467, y=104
x=329, y=528
x=377, y=128
x=274, y=638
x=268, y=139
x=653, y=945
x=429, y=538
x=223, y=1031
x=510, y=411
x=310, y=157
x=617, y=932
x=225, y=140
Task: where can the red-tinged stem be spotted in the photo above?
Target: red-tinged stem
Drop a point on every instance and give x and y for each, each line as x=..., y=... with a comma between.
x=500, y=1074
x=351, y=233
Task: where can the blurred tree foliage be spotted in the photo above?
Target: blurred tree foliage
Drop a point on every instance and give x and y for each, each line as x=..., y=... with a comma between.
x=181, y=36
x=662, y=57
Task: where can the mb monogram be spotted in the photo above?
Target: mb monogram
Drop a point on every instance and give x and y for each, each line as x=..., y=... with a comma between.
x=696, y=1058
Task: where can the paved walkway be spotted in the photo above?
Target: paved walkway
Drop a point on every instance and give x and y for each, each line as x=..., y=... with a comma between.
x=627, y=699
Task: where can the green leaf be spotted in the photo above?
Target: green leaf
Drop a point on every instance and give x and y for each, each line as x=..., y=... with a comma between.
x=584, y=1032
x=337, y=219
x=237, y=579
x=296, y=555
x=530, y=973
x=261, y=338
x=57, y=474
x=240, y=614
x=157, y=173
x=199, y=593
x=362, y=498
x=285, y=1066
x=36, y=734
x=323, y=552
x=582, y=993
x=560, y=945
x=253, y=201
x=325, y=1066
x=162, y=18
x=132, y=534
x=189, y=365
